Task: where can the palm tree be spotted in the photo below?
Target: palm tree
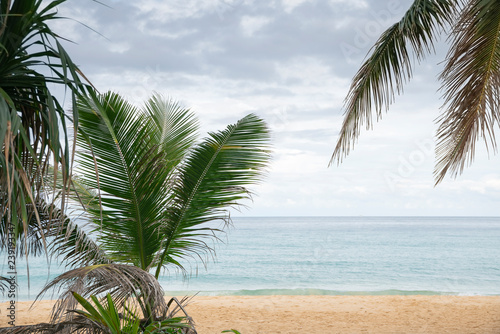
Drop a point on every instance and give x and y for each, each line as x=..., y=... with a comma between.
x=33, y=123
x=156, y=196
x=470, y=79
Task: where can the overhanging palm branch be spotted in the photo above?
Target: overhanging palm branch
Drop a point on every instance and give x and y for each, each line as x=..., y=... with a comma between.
x=471, y=81
x=72, y=244
x=31, y=59
x=67, y=240
x=470, y=78
x=4, y=284
x=389, y=67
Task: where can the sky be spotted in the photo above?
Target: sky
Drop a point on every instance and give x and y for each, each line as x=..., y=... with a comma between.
x=290, y=62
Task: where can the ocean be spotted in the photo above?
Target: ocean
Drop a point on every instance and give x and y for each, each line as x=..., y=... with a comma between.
x=332, y=256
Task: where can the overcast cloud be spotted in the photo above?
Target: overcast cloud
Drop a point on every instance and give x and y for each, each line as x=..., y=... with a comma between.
x=291, y=62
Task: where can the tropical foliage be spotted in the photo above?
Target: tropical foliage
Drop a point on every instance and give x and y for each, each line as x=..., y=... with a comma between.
x=470, y=78
x=156, y=187
x=106, y=319
x=33, y=123
x=154, y=196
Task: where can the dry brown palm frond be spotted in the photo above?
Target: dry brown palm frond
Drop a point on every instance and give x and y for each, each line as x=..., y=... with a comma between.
x=123, y=282
x=471, y=81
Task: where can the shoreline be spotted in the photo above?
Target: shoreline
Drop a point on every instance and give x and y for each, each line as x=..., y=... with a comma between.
x=319, y=314
x=322, y=292
x=265, y=292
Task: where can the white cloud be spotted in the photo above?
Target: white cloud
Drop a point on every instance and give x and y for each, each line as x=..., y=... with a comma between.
x=484, y=185
x=290, y=5
x=169, y=34
x=251, y=24
x=360, y=4
x=119, y=47
x=164, y=11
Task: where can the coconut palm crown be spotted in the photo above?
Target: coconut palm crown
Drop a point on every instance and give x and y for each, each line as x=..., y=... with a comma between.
x=156, y=187
x=470, y=79
x=154, y=194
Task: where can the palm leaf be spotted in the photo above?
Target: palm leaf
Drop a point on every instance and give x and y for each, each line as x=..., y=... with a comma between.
x=68, y=240
x=48, y=226
x=389, y=66
x=173, y=130
x=156, y=189
x=113, y=137
x=27, y=105
x=4, y=284
x=470, y=80
x=73, y=246
x=212, y=179
x=105, y=315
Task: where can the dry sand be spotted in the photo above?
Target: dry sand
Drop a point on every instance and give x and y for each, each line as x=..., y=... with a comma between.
x=325, y=314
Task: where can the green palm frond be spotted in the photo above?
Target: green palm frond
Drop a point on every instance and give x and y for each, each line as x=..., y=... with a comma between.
x=213, y=178
x=131, y=177
x=51, y=229
x=106, y=316
x=73, y=246
x=4, y=284
x=389, y=67
x=471, y=81
x=156, y=188
x=174, y=129
x=66, y=239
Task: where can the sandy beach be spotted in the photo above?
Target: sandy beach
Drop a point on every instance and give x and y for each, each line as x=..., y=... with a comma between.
x=325, y=314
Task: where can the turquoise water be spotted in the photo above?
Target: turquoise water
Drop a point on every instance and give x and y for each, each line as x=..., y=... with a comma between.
x=336, y=256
